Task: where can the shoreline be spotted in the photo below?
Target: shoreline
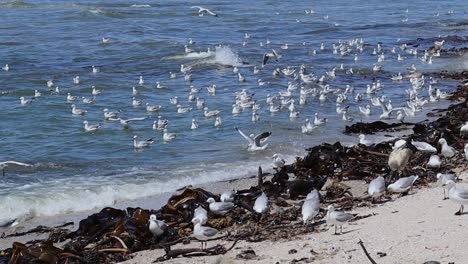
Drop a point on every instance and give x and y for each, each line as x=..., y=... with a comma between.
x=343, y=252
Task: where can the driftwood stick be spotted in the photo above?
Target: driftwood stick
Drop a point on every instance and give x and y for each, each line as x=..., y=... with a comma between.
x=193, y=252
x=365, y=252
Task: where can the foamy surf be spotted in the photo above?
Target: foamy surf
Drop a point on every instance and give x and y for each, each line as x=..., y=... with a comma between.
x=83, y=198
x=222, y=55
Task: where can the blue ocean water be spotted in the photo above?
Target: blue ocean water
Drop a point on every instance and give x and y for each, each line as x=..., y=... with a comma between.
x=57, y=40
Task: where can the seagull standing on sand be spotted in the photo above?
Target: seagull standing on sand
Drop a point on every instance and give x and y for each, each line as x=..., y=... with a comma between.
x=457, y=195
x=261, y=204
x=443, y=179
x=202, y=11
x=157, y=227
x=447, y=151
x=200, y=214
x=310, y=207
x=255, y=141
x=376, y=187
x=403, y=184
x=338, y=218
x=219, y=208
x=203, y=233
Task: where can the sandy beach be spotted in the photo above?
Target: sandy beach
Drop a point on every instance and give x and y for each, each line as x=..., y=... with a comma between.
x=415, y=228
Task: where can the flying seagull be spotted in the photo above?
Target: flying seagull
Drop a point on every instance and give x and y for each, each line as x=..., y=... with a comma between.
x=255, y=140
x=202, y=11
x=267, y=56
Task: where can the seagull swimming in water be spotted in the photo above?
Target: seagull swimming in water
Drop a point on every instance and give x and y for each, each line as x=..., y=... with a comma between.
x=255, y=141
x=137, y=144
x=202, y=11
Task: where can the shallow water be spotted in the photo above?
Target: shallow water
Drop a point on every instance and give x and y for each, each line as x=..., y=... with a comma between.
x=57, y=40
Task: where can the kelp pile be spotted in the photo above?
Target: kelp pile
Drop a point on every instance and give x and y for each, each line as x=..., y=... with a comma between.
x=112, y=235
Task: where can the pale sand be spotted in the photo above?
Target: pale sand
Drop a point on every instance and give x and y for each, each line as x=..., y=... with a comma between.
x=412, y=229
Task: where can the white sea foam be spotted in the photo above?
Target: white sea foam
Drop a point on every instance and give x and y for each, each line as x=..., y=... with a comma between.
x=222, y=55
x=60, y=198
x=140, y=6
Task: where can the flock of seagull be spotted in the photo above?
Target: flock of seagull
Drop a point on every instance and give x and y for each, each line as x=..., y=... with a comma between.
x=302, y=87
x=310, y=209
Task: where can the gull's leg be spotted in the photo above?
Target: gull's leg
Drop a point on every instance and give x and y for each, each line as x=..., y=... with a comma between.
x=335, y=229
x=341, y=230
x=445, y=197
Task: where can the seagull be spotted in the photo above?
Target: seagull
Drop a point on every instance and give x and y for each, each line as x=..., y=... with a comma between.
x=255, y=141
x=466, y=151
x=126, y=122
x=400, y=156
x=141, y=81
x=6, y=67
x=338, y=218
x=261, y=204
x=210, y=113
x=95, y=69
x=376, y=187
x=24, y=101
x=434, y=162
x=95, y=91
x=227, y=196
x=174, y=100
x=310, y=207
x=219, y=208
x=71, y=98
x=218, y=121
x=136, y=102
x=457, y=195
x=50, y=83
x=168, y=136
x=267, y=56
x=160, y=86
x=464, y=128
x=446, y=151
x=319, y=121
x=76, y=80
x=87, y=100
x=182, y=110
x=77, y=111
x=37, y=93
x=200, y=214
x=110, y=114
x=203, y=233
x=141, y=144
x=194, y=124
x=307, y=127
x=152, y=108
x=157, y=227
x=5, y=164
x=202, y=11
x=423, y=146
x=90, y=128
x=105, y=40
x=134, y=91
x=278, y=161
x=403, y=184
x=345, y=117
x=443, y=179
x=365, y=110
x=364, y=141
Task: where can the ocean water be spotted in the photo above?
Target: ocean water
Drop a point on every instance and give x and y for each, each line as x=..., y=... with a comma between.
x=74, y=170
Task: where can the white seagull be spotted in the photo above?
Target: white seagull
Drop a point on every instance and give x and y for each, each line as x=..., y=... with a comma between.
x=261, y=204
x=310, y=207
x=255, y=141
x=137, y=144
x=219, y=208
x=376, y=187
x=202, y=11
x=403, y=184
x=157, y=227
x=338, y=218
x=90, y=128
